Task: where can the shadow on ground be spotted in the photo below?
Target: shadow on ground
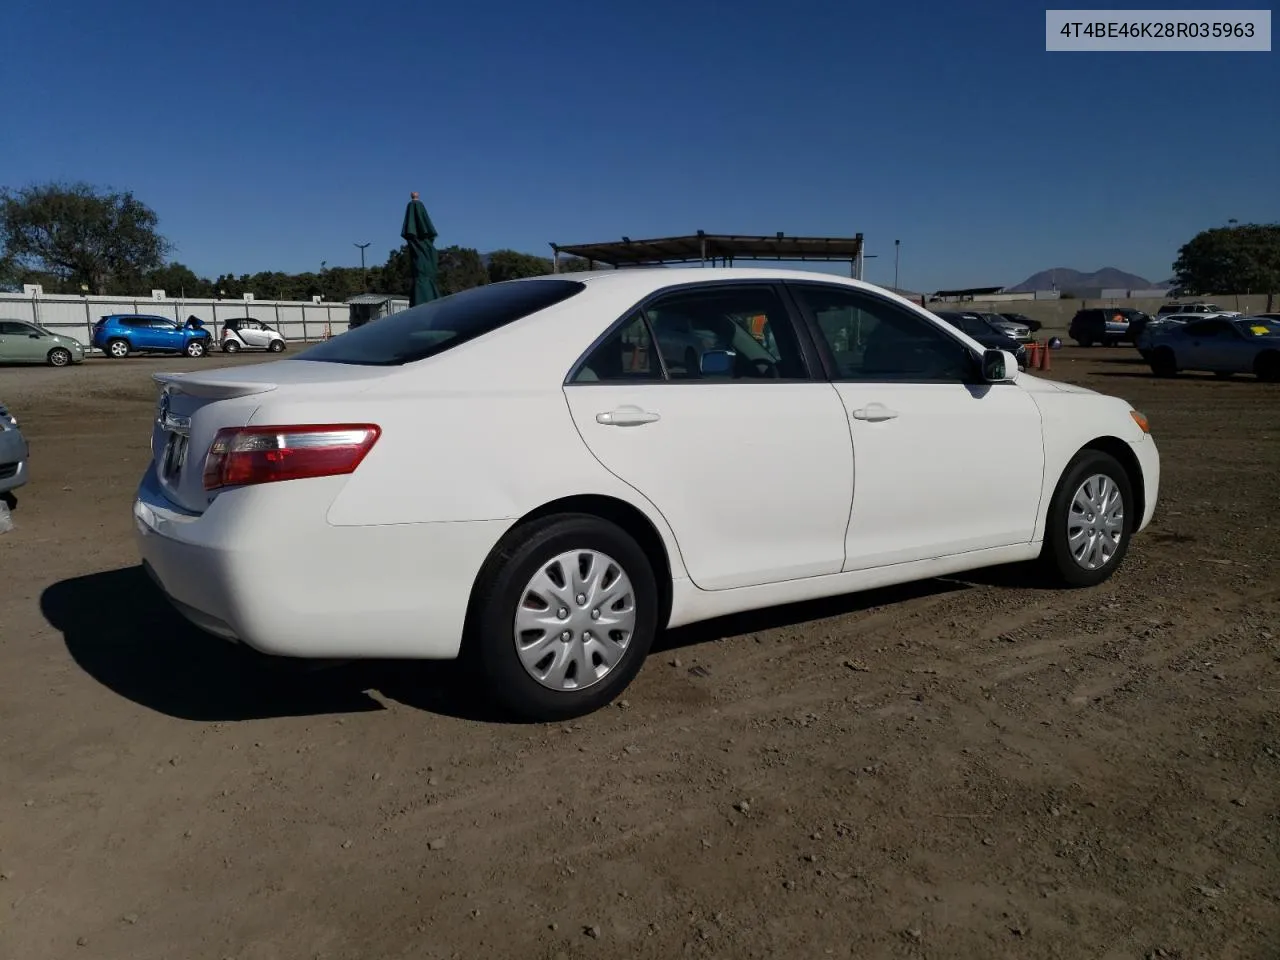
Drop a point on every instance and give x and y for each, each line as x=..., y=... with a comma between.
x=122, y=632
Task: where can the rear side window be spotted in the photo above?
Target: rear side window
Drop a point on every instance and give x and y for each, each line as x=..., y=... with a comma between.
x=431, y=328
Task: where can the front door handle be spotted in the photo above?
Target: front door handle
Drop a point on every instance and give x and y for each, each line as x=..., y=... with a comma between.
x=627, y=416
x=874, y=412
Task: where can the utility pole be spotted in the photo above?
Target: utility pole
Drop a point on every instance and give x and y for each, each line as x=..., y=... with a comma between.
x=363, y=272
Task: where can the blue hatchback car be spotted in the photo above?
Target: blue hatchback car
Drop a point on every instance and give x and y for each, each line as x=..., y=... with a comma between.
x=121, y=334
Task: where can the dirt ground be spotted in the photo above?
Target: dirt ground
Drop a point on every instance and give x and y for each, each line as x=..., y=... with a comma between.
x=974, y=767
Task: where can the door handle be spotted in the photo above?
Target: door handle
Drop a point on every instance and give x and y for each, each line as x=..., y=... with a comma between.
x=627, y=416
x=874, y=412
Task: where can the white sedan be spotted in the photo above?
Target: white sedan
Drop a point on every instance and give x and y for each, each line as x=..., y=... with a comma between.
x=516, y=474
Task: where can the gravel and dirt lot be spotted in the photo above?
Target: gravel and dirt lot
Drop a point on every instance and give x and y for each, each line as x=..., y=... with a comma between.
x=973, y=767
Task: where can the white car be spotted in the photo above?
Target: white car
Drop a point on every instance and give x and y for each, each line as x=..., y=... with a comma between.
x=509, y=473
x=248, y=333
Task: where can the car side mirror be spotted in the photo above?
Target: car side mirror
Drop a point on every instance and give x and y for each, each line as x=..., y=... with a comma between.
x=716, y=363
x=999, y=366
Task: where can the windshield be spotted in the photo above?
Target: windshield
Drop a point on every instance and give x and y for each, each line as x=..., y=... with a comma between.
x=1258, y=327
x=431, y=328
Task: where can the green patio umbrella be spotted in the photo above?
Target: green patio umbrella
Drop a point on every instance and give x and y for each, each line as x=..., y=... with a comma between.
x=420, y=234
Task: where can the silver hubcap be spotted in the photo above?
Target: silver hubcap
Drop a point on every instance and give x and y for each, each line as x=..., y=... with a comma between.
x=1095, y=523
x=119, y=349
x=60, y=358
x=575, y=620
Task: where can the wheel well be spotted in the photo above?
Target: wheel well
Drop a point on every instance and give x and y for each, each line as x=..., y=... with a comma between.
x=1117, y=448
x=630, y=519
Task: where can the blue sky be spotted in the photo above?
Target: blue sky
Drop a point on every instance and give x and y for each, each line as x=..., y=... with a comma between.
x=274, y=135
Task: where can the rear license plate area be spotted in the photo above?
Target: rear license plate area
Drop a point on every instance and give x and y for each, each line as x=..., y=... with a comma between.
x=175, y=456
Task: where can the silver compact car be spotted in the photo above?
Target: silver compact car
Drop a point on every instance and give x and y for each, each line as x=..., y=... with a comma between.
x=247, y=333
x=13, y=452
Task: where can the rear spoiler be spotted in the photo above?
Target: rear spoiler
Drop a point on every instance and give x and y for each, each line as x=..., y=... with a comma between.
x=193, y=386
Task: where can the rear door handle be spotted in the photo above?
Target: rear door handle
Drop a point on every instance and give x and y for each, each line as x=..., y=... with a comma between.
x=627, y=416
x=874, y=412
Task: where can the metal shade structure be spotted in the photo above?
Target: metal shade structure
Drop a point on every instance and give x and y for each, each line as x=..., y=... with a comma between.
x=715, y=249
x=419, y=235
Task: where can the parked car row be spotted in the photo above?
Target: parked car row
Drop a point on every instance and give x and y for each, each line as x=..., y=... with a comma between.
x=122, y=334
x=983, y=330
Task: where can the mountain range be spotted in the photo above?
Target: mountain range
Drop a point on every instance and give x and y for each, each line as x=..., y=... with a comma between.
x=1064, y=278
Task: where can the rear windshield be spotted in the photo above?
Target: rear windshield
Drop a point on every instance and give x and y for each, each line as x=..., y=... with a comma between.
x=431, y=328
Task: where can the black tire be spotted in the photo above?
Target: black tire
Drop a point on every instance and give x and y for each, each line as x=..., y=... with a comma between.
x=59, y=357
x=1056, y=555
x=276, y=346
x=195, y=349
x=1085, y=342
x=118, y=348
x=1163, y=362
x=1267, y=367
x=490, y=642
x=230, y=346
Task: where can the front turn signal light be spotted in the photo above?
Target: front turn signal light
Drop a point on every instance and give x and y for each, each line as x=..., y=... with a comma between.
x=1141, y=421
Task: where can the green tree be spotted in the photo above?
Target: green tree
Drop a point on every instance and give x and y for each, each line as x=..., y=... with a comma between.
x=79, y=234
x=177, y=280
x=460, y=269
x=513, y=265
x=1239, y=259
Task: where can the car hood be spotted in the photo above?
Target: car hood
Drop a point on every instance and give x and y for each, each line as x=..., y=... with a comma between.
x=1033, y=384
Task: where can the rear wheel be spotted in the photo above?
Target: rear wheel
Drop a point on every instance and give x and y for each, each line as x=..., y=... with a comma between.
x=1267, y=367
x=1085, y=342
x=195, y=348
x=230, y=346
x=1164, y=363
x=59, y=357
x=276, y=346
x=1089, y=521
x=118, y=349
x=564, y=612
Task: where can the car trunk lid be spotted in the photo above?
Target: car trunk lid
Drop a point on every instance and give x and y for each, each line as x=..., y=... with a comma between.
x=193, y=407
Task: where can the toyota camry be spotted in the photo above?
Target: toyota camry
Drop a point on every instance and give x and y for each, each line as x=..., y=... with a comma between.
x=524, y=474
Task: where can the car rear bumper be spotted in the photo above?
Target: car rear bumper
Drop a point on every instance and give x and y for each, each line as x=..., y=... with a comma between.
x=263, y=567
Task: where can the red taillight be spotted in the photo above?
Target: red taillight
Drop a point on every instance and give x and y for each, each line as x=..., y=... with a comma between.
x=245, y=455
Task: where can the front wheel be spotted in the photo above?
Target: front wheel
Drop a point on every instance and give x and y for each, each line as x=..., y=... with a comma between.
x=1164, y=363
x=195, y=348
x=564, y=612
x=1089, y=521
x=276, y=346
x=1267, y=367
x=59, y=357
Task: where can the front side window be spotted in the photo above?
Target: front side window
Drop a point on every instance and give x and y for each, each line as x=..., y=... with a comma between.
x=439, y=325
x=874, y=340
x=727, y=333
